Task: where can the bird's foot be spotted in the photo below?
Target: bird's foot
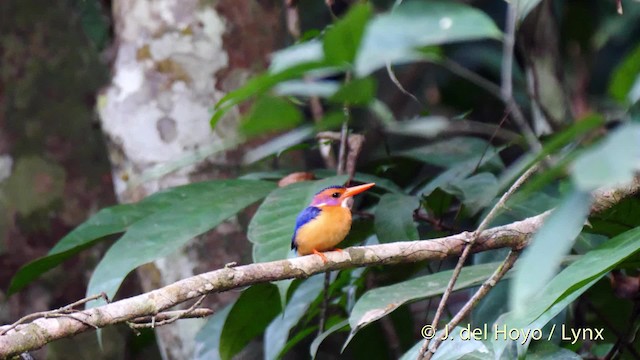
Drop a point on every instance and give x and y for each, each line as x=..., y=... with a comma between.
x=338, y=250
x=324, y=258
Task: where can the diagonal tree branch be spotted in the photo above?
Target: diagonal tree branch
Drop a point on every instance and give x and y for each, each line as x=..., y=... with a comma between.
x=26, y=337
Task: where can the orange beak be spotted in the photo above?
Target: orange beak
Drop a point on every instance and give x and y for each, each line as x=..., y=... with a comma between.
x=355, y=190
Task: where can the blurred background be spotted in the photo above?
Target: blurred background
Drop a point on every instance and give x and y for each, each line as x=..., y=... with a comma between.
x=97, y=96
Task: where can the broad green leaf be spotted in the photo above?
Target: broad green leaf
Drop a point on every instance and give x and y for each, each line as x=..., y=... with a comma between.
x=207, y=346
x=554, y=144
x=428, y=126
x=501, y=344
x=550, y=244
x=277, y=333
x=611, y=163
x=580, y=275
x=545, y=350
x=277, y=144
x=383, y=183
x=379, y=302
x=476, y=191
x=313, y=349
x=272, y=226
x=303, y=53
x=356, y=92
x=457, y=346
x=259, y=85
x=382, y=111
x=394, y=218
x=617, y=219
x=462, y=171
x=524, y=7
x=204, y=205
x=448, y=153
x=107, y=221
x=299, y=336
x=249, y=316
x=395, y=37
x=341, y=42
x=626, y=77
x=321, y=88
x=270, y=114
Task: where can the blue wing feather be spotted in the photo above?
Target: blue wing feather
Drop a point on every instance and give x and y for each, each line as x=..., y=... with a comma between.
x=304, y=217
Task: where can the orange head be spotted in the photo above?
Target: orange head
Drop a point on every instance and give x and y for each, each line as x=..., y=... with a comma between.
x=338, y=195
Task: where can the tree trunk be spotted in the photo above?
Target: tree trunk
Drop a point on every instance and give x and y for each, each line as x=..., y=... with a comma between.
x=174, y=60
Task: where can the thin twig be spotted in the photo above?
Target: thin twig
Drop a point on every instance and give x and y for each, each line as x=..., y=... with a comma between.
x=605, y=319
x=506, y=86
x=196, y=313
x=506, y=265
x=355, y=142
x=395, y=80
x=177, y=315
x=467, y=250
x=627, y=339
x=503, y=199
x=472, y=77
x=325, y=303
x=317, y=112
x=342, y=161
x=51, y=313
x=344, y=133
x=293, y=18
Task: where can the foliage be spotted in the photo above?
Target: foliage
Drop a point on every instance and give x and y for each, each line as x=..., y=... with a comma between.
x=437, y=174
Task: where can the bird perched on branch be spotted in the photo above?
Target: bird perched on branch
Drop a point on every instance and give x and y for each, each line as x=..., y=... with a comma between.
x=326, y=221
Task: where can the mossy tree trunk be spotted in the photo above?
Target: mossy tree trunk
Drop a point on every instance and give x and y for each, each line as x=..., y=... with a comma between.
x=175, y=59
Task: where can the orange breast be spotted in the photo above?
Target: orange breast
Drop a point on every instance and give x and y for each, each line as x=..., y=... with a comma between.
x=324, y=232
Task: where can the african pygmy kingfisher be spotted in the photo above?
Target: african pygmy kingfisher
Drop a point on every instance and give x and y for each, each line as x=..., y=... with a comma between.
x=326, y=221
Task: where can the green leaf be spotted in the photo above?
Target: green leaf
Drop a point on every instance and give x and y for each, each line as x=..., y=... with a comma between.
x=395, y=37
x=617, y=219
x=382, y=111
x=428, y=126
x=551, y=243
x=203, y=206
x=272, y=226
x=320, y=88
x=625, y=77
x=545, y=350
x=207, y=346
x=461, y=171
x=249, y=316
x=278, y=144
x=476, y=191
x=356, y=92
x=107, y=221
x=383, y=183
x=277, y=333
x=394, y=218
x=379, y=302
x=258, y=85
x=580, y=275
x=313, y=349
x=341, y=42
x=448, y=153
x=270, y=114
x=455, y=347
x=613, y=162
x=524, y=7
x=303, y=53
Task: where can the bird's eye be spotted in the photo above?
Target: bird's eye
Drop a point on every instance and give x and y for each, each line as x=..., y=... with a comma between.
x=335, y=195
